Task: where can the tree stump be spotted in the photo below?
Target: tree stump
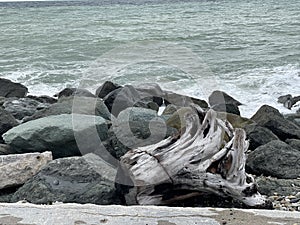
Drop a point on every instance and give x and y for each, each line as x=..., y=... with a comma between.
x=207, y=156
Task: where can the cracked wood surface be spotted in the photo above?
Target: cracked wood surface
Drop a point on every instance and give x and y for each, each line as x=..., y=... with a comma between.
x=208, y=156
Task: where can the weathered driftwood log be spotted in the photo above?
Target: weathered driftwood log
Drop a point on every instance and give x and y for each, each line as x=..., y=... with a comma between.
x=207, y=157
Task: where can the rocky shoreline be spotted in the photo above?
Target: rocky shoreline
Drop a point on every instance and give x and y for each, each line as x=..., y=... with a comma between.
x=86, y=134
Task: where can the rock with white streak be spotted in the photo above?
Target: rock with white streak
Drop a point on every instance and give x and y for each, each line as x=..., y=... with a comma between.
x=18, y=168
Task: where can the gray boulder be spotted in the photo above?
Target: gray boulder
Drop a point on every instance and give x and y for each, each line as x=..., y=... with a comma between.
x=294, y=143
x=106, y=88
x=43, y=99
x=7, y=121
x=57, y=134
x=71, y=180
x=271, y=118
x=270, y=185
x=79, y=105
x=258, y=135
x=220, y=97
x=136, y=127
x=11, y=89
x=276, y=159
x=23, y=107
x=6, y=150
x=74, y=92
x=123, y=98
x=17, y=169
x=229, y=108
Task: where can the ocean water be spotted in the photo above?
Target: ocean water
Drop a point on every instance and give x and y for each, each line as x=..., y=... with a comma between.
x=249, y=49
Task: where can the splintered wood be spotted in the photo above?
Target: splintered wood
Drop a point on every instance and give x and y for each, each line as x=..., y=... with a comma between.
x=208, y=156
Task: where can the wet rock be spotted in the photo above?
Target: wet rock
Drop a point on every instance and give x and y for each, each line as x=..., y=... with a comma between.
x=74, y=92
x=220, y=97
x=106, y=88
x=7, y=121
x=79, y=105
x=229, y=108
x=258, y=136
x=11, y=89
x=271, y=118
x=270, y=185
x=74, y=179
x=18, y=168
x=23, y=107
x=57, y=134
x=276, y=159
x=288, y=101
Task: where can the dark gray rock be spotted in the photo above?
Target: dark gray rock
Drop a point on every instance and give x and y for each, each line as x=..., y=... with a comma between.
x=294, y=143
x=122, y=98
x=43, y=99
x=284, y=98
x=202, y=103
x=7, y=193
x=7, y=121
x=151, y=92
x=106, y=88
x=268, y=186
x=57, y=134
x=258, y=135
x=68, y=105
x=276, y=159
x=229, y=108
x=220, y=97
x=23, y=107
x=271, y=118
x=74, y=92
x=136, y=127
x=11, y=89
x=6, y=150
x=71, y=180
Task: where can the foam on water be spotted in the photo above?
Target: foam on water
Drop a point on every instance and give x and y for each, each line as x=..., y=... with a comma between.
x=260, y=86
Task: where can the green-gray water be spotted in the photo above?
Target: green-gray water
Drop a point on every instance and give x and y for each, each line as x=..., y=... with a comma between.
x=252, y=48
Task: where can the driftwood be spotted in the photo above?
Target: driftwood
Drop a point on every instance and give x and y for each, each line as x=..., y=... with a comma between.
x=208, y=156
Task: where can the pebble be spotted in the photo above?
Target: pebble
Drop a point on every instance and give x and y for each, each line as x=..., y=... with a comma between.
x=286, y=203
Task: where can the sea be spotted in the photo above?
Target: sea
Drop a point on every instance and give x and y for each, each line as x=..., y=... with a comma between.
x=248, y=48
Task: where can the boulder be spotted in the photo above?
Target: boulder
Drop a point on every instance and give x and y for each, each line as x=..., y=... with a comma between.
x=258, y=135
x=152, y=92
x=235, y=120
x=23, y=107
x=79, y=105
x=294, y=143
x=7, y=121
x=276, y=159
x=6, y=150
x=43, y=99
x=271, y=118
x=71, y=180
x=270, y=185
x=11, y=89
x=106, y=88
x=220, y=97
x=17, y=169
x=57, y=134
x=74, y=92
x=177, y=120
x=136, y=127
x=122, y=98
x=229, y=108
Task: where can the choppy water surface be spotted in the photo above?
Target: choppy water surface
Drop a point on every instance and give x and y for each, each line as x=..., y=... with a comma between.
x=250, y=49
